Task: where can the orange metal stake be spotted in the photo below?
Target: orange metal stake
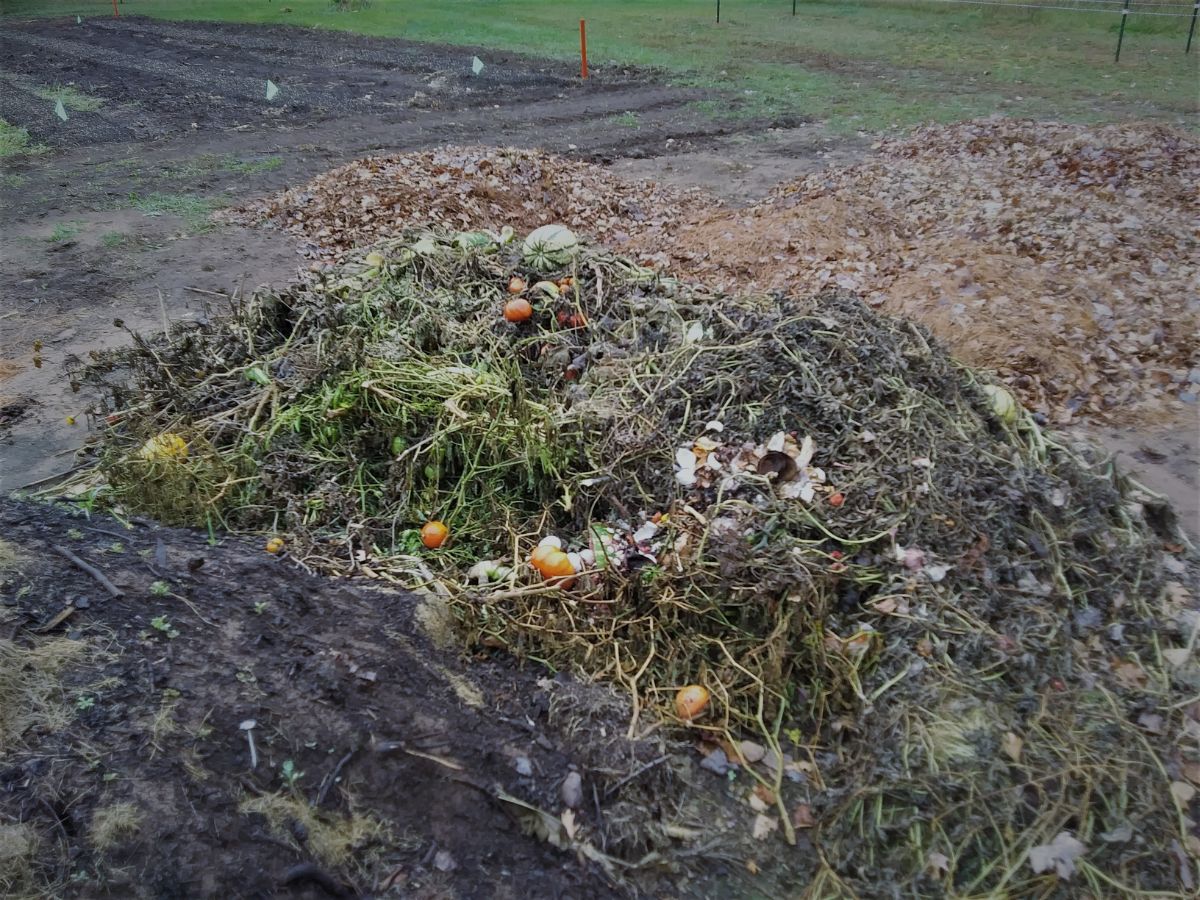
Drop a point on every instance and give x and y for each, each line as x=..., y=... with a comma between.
x=116, y=13
x=582, y=48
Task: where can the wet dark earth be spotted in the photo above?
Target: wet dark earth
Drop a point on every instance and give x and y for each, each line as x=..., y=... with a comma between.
x=159, y=79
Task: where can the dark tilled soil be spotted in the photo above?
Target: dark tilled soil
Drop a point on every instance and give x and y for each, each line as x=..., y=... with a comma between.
x=333, y=673
x=160, y=79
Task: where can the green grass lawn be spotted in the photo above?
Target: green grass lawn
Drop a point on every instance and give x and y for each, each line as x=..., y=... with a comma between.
x=865, y=65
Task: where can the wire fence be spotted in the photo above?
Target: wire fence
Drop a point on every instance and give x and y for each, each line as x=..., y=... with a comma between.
x=1167, y=9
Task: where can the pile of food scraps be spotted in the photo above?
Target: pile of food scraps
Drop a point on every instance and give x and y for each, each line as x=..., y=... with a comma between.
x=466, y=188
x=941, y=642
x=1063, y=257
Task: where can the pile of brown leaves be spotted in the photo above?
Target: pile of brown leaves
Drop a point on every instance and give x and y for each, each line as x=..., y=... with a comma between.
x=467, y=188
x=1062, y=256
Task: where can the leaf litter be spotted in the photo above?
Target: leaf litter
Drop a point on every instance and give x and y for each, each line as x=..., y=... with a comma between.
x=1062, y=257
x=967, y=720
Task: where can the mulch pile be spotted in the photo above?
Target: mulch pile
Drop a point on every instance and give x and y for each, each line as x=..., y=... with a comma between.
x=466, y=188
x=1063, y=257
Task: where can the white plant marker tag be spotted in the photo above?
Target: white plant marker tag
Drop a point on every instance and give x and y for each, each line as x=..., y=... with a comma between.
x=476, y=64
x=272, y=90
x=60, y=110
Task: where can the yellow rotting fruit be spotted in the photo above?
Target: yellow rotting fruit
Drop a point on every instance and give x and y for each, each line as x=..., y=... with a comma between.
x=275, y=545
x=691, y=701
x=1004, y=404
x=167, y=445
x=375, y=260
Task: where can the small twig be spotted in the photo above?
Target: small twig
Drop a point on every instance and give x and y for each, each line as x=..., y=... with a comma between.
x=196, y=290
x=115, y=592
x=109, y=532
x=333, y=776
x=50, y=478
x=192, y=606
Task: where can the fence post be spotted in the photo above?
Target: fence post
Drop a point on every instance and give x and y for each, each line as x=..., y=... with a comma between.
x=793, y=7
x=718, y=12
x=583, y=72
x=1192, y=27
x=1121, y=33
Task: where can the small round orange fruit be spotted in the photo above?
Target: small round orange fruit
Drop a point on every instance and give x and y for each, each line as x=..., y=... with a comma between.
x=551, y=562
x=837, y=499
x=275, y=545
x=517, y=310
x=516, y=285
x=691, y=701
x=434, y=534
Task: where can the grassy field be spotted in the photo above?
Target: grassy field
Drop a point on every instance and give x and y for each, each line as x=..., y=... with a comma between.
x=864, y=66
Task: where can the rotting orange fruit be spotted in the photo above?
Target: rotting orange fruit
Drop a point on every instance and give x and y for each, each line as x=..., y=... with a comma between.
x=551, y=562
x=541, y=553
x=434, y=534
x=691, y=701
x=516, y=285
x=517, y=310
x=837, y=499
x=275, y=545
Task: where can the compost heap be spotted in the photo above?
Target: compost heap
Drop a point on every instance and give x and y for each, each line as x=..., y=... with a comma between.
x=950, y=631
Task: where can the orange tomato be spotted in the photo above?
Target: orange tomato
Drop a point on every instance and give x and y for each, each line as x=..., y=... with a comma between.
x=516, y=285
x=517, y=310
x=691, y=701
x=837, y=499
x=274, y=545
x=434, y=534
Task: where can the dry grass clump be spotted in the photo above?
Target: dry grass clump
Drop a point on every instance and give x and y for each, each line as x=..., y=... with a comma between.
x=19, y=845
x=31, y=692
x=336, y=841
x=114, y=825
